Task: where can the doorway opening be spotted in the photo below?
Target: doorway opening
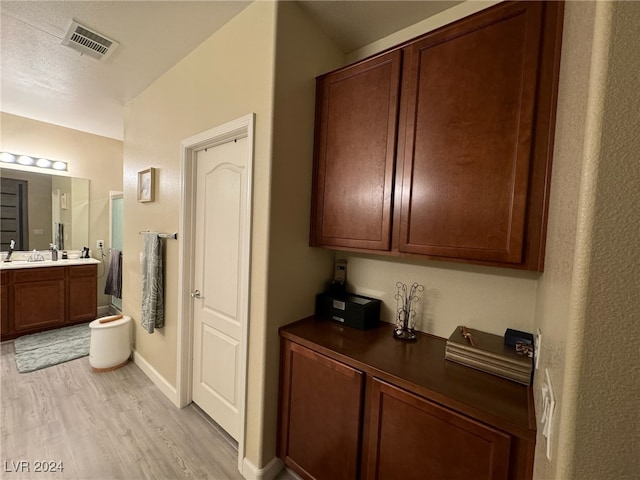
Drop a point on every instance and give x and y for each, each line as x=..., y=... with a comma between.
x=116, y=204
x=14, y=218
x=231, y=132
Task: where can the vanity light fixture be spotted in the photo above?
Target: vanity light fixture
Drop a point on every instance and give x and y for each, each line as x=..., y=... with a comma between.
x=6, y=157
x=43, y=163
x=25, y=160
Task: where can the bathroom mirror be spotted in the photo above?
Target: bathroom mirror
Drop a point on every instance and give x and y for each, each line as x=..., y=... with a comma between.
x=41, y=208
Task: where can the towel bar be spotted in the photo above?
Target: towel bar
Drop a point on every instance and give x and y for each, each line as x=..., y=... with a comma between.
x=173, y=236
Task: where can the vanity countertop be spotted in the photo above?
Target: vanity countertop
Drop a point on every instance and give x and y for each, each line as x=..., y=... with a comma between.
x=15, y=264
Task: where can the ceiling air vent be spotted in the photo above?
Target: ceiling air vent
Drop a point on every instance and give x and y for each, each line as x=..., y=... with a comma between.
x=89, y=42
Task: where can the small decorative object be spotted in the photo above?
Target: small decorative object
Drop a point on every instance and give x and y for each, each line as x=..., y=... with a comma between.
x=146, y=181
x=406, y=302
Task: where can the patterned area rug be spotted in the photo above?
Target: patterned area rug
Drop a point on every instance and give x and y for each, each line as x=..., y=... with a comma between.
x=45, y=349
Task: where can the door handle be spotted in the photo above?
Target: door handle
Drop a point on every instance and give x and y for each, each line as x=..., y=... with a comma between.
x=195, y=294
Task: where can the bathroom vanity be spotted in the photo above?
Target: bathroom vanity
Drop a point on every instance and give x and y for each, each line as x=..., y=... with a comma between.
x=38, y=296
x=359, y=404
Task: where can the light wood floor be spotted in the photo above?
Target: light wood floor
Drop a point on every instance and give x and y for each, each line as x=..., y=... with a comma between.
x=104, y=426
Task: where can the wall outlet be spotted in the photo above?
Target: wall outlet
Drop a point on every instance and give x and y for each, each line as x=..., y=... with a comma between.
x=100, y=244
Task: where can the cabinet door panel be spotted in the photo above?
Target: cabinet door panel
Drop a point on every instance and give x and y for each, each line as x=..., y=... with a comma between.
x=470, y=99
x=83, y=298
x=356, y=123
x=5, y=325
x=323, y=416
x=412, y=438
x=38, y=305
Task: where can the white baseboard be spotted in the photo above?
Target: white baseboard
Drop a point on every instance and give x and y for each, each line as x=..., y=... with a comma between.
x=159, y=381
x=103, y=311
x=268, y=472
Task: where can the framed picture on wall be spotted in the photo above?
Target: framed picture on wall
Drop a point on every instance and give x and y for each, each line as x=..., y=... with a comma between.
x=146, y=187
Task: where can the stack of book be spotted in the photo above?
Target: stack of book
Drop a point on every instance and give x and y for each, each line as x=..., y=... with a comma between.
x=488, y=352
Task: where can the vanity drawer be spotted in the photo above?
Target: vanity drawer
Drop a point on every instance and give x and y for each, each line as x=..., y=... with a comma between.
x=83, y=271
x=38, y=274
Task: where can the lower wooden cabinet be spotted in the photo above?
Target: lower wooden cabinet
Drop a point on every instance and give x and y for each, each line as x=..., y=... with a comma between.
x=38, y=299
x=4, y=301
x=41, y=298
x=362, y=405
x=82, y=293
x=413, y=438
x=323, y=425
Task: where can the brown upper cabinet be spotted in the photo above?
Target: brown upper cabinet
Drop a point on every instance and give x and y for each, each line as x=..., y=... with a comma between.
x=441, y=147
x=356, y=118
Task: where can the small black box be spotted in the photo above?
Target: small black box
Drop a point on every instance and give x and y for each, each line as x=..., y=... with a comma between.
x=351, y=310
x=511, y=337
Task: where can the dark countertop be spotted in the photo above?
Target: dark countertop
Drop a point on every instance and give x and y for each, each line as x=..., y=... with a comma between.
x=421, y=368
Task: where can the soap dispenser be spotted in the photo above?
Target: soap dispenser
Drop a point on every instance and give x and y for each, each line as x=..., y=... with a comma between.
x=54, y=252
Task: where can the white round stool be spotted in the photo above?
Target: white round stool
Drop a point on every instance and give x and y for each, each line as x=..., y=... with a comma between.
x=110, y=346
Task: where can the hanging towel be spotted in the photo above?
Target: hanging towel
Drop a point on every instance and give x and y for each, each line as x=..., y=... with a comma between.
x=152, y=283
x=113, y=285
x=59, y=236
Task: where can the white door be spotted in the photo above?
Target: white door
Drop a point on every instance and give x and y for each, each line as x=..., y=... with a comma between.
x=221, y=269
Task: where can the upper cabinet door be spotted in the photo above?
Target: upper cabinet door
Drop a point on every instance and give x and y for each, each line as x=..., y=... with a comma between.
x=469, y=103
x=356, y=128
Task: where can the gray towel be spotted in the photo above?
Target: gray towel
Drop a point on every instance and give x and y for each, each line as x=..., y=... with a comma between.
x=113, y=285
x=152, y=283
x=59, y=236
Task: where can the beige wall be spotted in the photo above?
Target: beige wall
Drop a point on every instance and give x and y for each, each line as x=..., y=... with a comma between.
x=228, y=76
x=96, y=158
x=427, y=25
x=554, y=289
x=296, y=271
x=599, y=420
x=586, y=302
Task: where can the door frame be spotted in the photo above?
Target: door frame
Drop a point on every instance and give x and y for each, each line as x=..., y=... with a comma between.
x=239, y=128
x=113, y=195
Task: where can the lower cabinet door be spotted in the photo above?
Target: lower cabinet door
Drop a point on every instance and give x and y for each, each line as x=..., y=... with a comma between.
x=321, y=415
x=412, y=438
x=6, y=326
x=38, y=305
x=82, y=294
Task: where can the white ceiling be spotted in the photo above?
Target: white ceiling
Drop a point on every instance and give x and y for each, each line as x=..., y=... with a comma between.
x=43, y=80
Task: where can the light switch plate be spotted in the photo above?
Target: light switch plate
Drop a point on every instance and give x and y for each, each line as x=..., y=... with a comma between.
x=548, y=407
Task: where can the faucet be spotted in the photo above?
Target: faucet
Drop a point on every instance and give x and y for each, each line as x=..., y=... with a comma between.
x=35, y=257
x=12, y=245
